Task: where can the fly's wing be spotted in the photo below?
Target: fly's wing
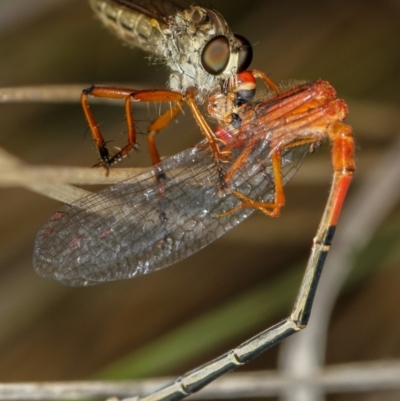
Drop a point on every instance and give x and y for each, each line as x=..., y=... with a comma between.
x=158, y=9
x=141, y=225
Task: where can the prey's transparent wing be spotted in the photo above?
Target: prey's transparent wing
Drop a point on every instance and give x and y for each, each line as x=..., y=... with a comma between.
x=139, y=225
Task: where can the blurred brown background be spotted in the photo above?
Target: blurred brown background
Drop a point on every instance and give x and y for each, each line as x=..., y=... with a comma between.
x=50, y=332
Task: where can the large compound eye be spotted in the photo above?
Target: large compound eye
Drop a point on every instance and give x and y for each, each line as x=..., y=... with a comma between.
x=215, y=56
x=245, y=53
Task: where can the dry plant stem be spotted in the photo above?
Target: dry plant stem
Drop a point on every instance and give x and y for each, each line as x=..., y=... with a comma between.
x=51, y=94
x=303, y=355
x=45, y=93
x=51, y=181
x=365, y=377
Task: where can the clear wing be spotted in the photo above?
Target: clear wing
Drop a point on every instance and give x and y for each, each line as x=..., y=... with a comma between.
x=158, y=9
x=139, y=225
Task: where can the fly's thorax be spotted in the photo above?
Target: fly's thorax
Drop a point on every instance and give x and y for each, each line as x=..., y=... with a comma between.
x=131, y=26
x=202, y=51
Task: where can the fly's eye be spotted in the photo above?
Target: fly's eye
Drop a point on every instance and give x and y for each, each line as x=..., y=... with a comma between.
x=245, y=53
x=215, y=56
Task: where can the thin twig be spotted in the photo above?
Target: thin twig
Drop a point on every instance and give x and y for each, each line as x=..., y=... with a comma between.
x=55, y=94
x=44, y=93
x=51, y=181
x=335, y=379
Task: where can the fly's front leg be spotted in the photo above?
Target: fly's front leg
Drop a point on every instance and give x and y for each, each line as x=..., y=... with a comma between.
x=220, y=157
x=204, y=127
x=129, y=96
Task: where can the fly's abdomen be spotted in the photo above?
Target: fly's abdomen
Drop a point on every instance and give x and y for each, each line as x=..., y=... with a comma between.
x=131, y=26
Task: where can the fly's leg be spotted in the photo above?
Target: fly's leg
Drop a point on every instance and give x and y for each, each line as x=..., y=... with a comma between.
x=206, y=130
x=130, y=96
x=159, y=124
x=220, y=157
